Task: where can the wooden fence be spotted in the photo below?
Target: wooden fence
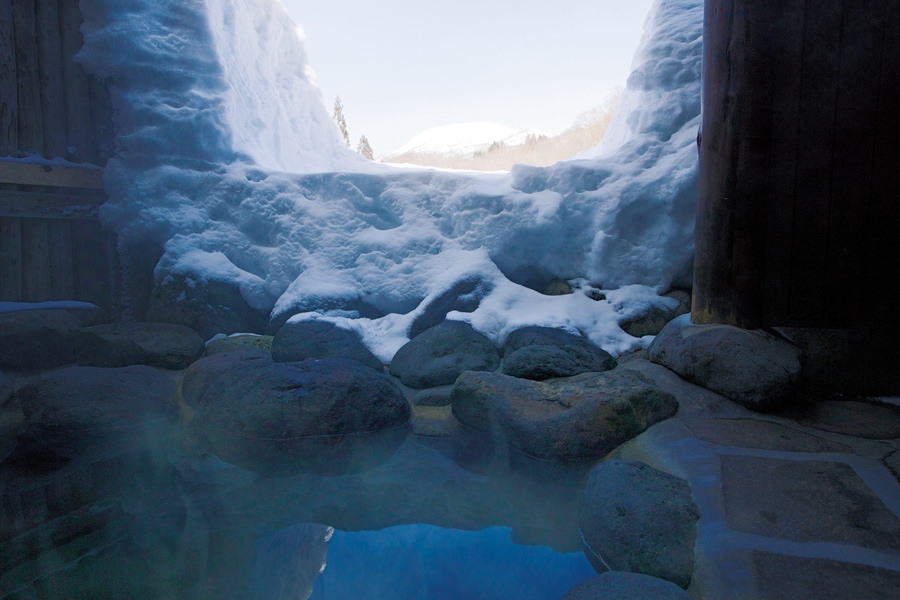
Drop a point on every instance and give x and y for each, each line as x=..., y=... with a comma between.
x=51, y=244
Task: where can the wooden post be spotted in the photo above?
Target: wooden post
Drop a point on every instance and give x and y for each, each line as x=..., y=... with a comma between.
x=62, y=277
x=9, y=105
x=797, y=222
x=35, y=260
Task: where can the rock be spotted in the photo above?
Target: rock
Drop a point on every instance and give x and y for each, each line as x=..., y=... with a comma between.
x=282, y=418
x=859, y=419
x=208, y=307
x=655, y=318
x=355, y=307
x=581, y=417
x=161, y=345
x=10, y=418
x=202, y=373
x=463, y=296
x=37, y=339
x=88, y=411
x=621, y=585
x=858, y=361
x=641, y=520
x=753, y=368
x=320, y=339
x=6, y=389
x=439, y=396
x=543, y=352
x=231, y=343
x=438, y=355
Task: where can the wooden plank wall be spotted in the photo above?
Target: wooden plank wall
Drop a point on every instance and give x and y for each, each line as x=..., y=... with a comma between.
x=51, y=244
x=797, y=220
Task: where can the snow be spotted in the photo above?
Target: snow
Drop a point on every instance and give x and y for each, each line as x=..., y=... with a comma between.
x=464, y=139
x=229, y=159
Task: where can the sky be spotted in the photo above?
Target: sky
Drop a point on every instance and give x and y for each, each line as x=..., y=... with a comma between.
x=404, y=66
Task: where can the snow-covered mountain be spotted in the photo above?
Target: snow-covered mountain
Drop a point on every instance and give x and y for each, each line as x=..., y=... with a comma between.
x=463, y=139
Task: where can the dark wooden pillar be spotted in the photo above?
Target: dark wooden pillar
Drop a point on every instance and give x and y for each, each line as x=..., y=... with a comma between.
x=799, y=164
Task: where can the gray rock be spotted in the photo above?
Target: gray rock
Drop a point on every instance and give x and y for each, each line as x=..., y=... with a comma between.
x=438, y=355
x=641, y=520
x=281, y=418
x=320, y=339
x=160, y=345
x=439, y=396
x=463, y=296
x=229, y=344
x=753, y=368
x=581, y=417
x=655, y=318
x=202, y=373
x=620, y=585
x=90, y=412
x=540, y=353
x=37, y=339
x=6, y=389
x=208, y=307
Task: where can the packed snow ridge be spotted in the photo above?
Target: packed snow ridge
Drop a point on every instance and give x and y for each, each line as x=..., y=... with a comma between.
x=464, y=139
x=228, y=158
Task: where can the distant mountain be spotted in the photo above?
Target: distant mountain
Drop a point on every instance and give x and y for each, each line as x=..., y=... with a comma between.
x=462, y=139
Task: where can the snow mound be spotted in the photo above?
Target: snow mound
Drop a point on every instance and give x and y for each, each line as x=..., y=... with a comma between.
x=464, y=139
x=229, y=160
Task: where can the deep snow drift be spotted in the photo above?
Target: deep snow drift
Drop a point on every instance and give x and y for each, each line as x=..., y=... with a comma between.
x=229, y=158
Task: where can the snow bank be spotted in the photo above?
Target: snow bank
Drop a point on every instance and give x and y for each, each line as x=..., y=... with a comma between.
x=228, y=157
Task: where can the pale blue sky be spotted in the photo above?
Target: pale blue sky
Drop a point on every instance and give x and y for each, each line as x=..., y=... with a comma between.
x=403, y=66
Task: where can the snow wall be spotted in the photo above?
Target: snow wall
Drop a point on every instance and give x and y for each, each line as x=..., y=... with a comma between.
x=229, y=159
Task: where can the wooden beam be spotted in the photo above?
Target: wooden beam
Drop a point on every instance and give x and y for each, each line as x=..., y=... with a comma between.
x=9, y=104
x=40, y=205
x=89, y=178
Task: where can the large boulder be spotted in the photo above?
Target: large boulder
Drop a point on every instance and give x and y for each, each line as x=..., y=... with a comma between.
x=206, y=306
x=320, y=339
x=463, y=296
x=543, y=352
x=160, y=345
x=282, y=418
x=92, y=412
x=620, y=585
x=581, y=417
x=438, y=356
x=236, y=342
x=37, y=339
x=756, y=369
x=202, y=373
x=639, y=519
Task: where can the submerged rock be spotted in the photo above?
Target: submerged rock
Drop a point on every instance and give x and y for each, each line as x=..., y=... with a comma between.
x=581, y=417
x=320, y=339
x=10, y=418
x=640, y=519
x=122, y=344
x=282, y=418
x=620, y=585
x=89, y=411
x=437, y=356
x=6, y=389
x=753, y=368
x=540, y=353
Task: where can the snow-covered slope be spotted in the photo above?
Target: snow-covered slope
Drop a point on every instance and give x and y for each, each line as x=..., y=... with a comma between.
x=230, y=161
x=463, y=139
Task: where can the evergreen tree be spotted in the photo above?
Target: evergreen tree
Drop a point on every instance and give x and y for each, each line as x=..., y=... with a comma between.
x=365, y=149
x=341, y=122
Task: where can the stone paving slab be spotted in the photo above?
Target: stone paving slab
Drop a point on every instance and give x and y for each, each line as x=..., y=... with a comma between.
x=805, y=501
x=781, y=577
